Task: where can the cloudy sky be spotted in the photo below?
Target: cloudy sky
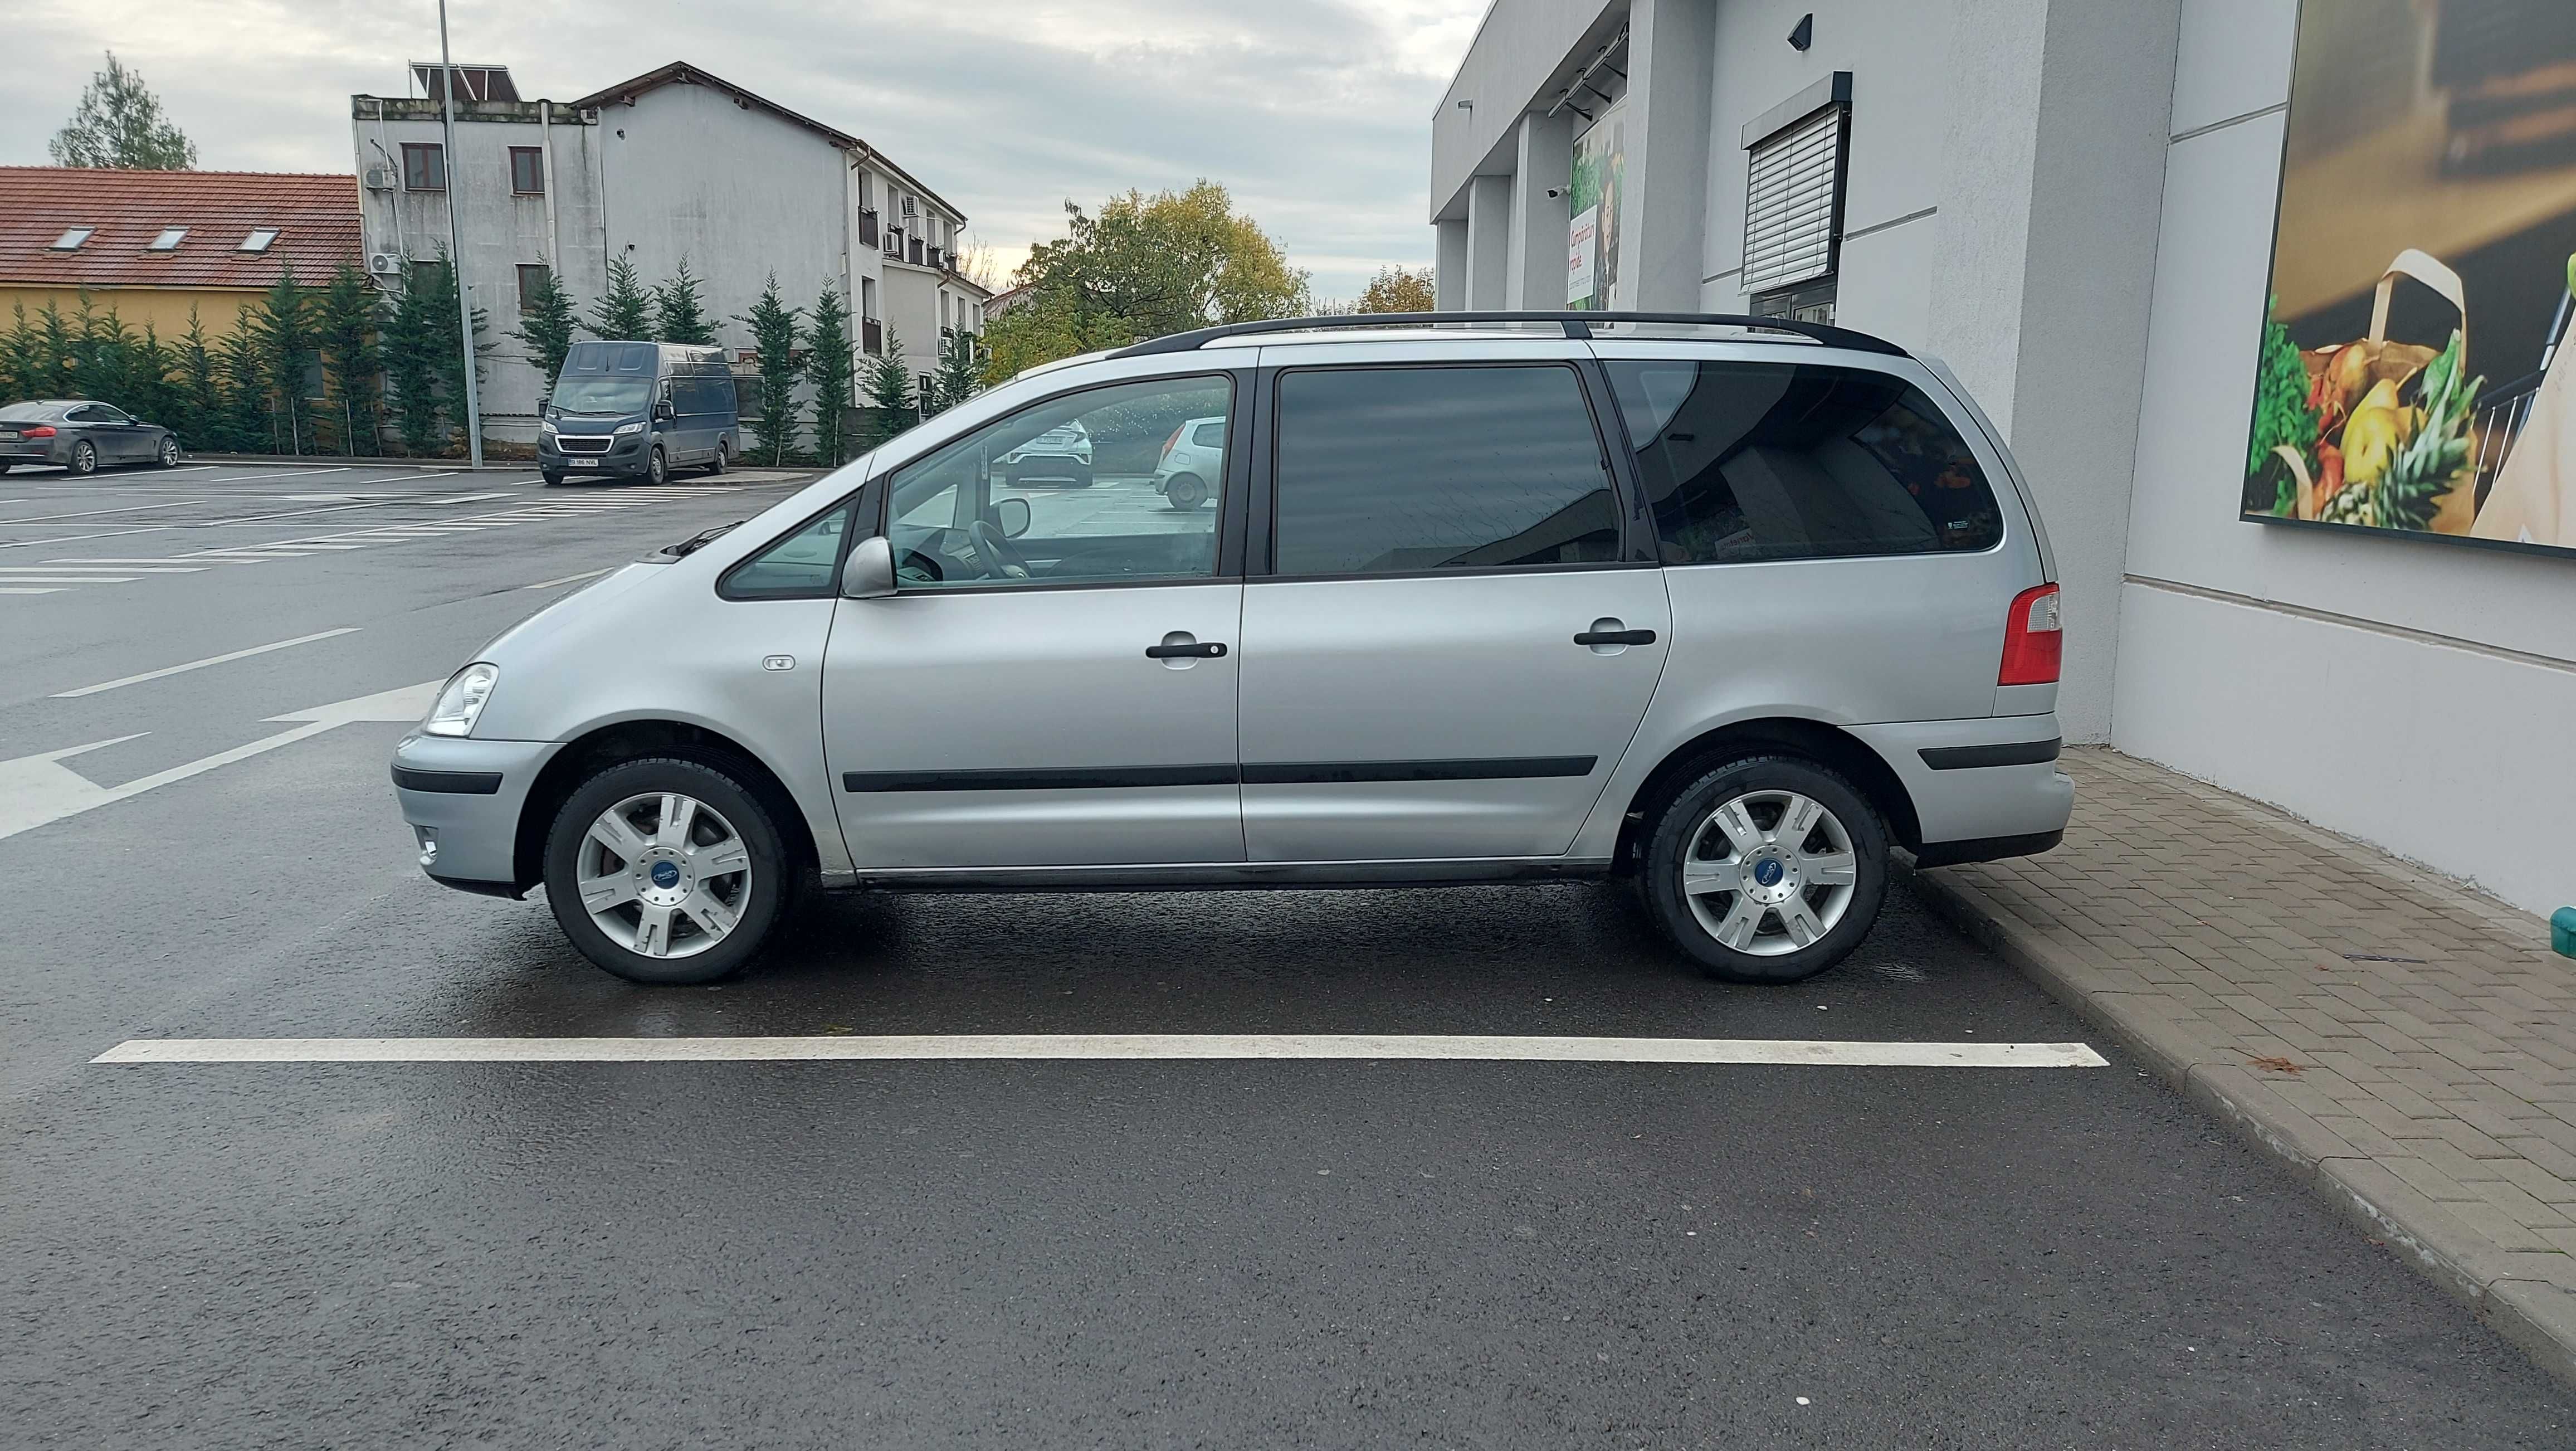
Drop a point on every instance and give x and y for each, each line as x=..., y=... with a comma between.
x=1316, y=113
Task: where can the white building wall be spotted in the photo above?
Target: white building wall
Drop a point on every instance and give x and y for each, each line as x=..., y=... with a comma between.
x=2419, y=695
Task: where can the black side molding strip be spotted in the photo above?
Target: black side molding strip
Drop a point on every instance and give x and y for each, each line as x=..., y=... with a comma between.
x=1073, y=778
x=1319, y=773
x=2015, y=753
x=449, y=783
x=1985, y=849
x=1259, y=773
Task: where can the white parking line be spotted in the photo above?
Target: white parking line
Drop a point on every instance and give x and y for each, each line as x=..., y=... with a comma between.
x=65, y=566
x=94, y=513
x=169, y=670
x=1055, y=1046
x=57, y=591
x=69, y=578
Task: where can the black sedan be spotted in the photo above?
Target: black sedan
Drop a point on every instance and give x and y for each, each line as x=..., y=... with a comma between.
x=82, y=436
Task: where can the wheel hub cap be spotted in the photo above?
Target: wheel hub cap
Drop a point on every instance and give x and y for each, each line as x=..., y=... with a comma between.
x=1774, y=878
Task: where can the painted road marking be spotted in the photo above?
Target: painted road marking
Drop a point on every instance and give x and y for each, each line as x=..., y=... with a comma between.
x=94, y=513
x=65, y=566
x=71, y=579
x=1056, y=1046
x=567, y=579
x=170, y=670
x=36, y=790
x=53, y=591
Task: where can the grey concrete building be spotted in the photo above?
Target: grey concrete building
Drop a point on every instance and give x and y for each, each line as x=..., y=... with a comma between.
x=2073, y=204
x=672, y=164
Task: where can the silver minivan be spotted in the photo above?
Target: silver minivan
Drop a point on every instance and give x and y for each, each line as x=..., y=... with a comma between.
x=1732, y=607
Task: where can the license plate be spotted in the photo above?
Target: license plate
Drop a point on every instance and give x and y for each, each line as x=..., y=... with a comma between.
x=8, y=435
x=585, y=463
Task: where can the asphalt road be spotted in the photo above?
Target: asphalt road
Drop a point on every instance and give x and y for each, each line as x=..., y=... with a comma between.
x=1015, y=1254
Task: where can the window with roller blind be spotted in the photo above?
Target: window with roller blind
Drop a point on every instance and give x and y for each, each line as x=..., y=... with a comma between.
x=1793, y=202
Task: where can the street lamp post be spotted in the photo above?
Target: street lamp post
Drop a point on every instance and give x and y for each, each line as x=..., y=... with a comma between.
x=456, y=243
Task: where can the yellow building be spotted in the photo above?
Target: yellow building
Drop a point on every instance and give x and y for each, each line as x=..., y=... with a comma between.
x=153, y=245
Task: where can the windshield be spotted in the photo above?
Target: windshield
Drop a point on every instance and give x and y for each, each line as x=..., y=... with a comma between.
x=596, y=394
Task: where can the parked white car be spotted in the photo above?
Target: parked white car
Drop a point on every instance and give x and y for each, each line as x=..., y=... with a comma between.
x=1057, y=456
x=1193, y=463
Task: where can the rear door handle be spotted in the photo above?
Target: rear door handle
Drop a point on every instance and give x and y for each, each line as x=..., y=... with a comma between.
x=1615, y=637
x=1195, y=649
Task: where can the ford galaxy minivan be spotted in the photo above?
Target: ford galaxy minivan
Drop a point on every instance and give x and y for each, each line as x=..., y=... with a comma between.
x=638, y=410
x=1734, y=608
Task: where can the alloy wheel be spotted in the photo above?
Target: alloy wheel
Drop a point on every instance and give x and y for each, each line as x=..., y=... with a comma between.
x=663, y=875
x=169, y=453
x=1769, y=872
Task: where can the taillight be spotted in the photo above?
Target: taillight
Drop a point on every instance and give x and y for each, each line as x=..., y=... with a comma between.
x=1172, y=442
x=41, y=430
x=2033, y=643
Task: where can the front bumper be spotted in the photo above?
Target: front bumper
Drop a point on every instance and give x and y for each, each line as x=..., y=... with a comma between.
x=625, y=456
x=463, y=798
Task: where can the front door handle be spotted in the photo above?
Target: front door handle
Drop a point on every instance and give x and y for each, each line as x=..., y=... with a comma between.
x=1615, y=637
x=1190, y=650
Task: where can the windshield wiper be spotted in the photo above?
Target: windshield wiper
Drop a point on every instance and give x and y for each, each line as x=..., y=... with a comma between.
x=698, y=541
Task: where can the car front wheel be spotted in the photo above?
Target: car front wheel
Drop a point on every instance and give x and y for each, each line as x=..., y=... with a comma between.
x=666, y=871
x=656, y=467
x=1768, y=869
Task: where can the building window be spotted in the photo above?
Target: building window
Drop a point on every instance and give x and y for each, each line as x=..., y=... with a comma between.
x=868, y=298
x=1793, y=198
x=71, y=238
x=532, y=275
x=259, y=239
x=168, y=241
x=527, y=171
x=423, y=273
x=424, y=166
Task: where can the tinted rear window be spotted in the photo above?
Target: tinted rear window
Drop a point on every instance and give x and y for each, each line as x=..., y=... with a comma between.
x=1393, y=470
x=1756, y=461
x=32, y=412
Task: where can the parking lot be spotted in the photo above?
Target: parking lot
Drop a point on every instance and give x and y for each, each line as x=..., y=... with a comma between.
x=202, y=672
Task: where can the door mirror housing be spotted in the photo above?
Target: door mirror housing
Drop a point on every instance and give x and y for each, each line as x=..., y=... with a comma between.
x=868, y=574
x=1011, y=516
x=664, y=412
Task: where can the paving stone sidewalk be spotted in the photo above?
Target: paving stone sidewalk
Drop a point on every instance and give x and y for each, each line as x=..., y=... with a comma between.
x=2403, y=1044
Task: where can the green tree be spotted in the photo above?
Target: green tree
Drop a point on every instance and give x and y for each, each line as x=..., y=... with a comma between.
x=197, y=401
x=959, y=376
x=775, y=333
x=119, y=123
x=888, y=386
x=56, y=353
x=101, y=353
x=245, y=422
x=828, y=372
x=348, y=317
x=1144, y=266
x=625, y=311
x=416, y=336
x=281, y=329
x=155, y=395
x=679, y=311
x=22, y=372
x=546, y=325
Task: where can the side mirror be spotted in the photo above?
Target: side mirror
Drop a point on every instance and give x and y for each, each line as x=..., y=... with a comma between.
x=1012, y=516
x=869, y=572
x=664, y=411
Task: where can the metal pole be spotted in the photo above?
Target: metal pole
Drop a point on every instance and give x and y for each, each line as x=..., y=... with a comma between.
x=456, y=243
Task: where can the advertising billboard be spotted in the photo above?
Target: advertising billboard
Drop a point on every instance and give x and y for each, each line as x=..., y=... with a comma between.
x=2412, y=376
x=1592, y=206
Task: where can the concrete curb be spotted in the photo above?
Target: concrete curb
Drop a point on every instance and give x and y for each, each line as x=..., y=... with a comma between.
x=2508, y=1290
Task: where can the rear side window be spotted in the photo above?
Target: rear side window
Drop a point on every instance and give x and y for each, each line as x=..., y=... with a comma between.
x=1399, y=470
x=1208, y=435
x=1756, y=461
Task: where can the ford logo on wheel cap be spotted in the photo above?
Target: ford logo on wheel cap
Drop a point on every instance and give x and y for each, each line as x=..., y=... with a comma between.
x=666, y=875
x=1767, y=873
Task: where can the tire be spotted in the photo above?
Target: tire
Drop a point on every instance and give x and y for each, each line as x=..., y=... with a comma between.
x=1081, y=477
x=169, y=456
x=657, y=466
x=1777, y=948
x=1185, y=492
x=4, y=466
x=724, y=813
x=550, y=478
x=716, y=465
x=84, y=458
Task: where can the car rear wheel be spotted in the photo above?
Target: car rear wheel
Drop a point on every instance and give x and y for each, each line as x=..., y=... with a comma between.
x=717, y=464
x=1768, y=869
x=170, y=452
x=1185, y=491
x=666, y=871
x=84, y=457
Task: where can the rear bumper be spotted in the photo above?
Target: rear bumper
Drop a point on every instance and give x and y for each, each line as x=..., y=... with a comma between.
x=1982, y=788
x=462, y=799
x=39, y=452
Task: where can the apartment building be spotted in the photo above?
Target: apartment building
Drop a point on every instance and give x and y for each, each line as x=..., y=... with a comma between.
x=672, y=164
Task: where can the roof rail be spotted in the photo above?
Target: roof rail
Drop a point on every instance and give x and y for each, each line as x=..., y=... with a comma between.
x=1577, y=325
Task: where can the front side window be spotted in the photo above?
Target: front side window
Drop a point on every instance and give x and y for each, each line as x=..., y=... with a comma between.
x=1402, y=470
x=424, y=166
x=1063, y=493
x=1744, y=462
x=803, y=565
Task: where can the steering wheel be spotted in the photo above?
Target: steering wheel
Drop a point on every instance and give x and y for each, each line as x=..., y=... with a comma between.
x=994, y=552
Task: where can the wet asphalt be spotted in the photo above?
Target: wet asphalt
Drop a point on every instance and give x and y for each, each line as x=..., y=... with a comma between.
x=1038, y=1254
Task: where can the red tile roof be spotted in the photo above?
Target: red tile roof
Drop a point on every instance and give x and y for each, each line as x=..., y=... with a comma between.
x=316, y=218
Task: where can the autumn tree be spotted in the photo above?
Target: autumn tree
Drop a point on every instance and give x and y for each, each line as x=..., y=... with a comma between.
x=1142, y=267
x=1398, y=289
x=119, y=123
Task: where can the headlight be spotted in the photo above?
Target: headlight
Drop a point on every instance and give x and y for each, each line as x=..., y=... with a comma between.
x=461, y=702
x=546, y=427
x=624, y=429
